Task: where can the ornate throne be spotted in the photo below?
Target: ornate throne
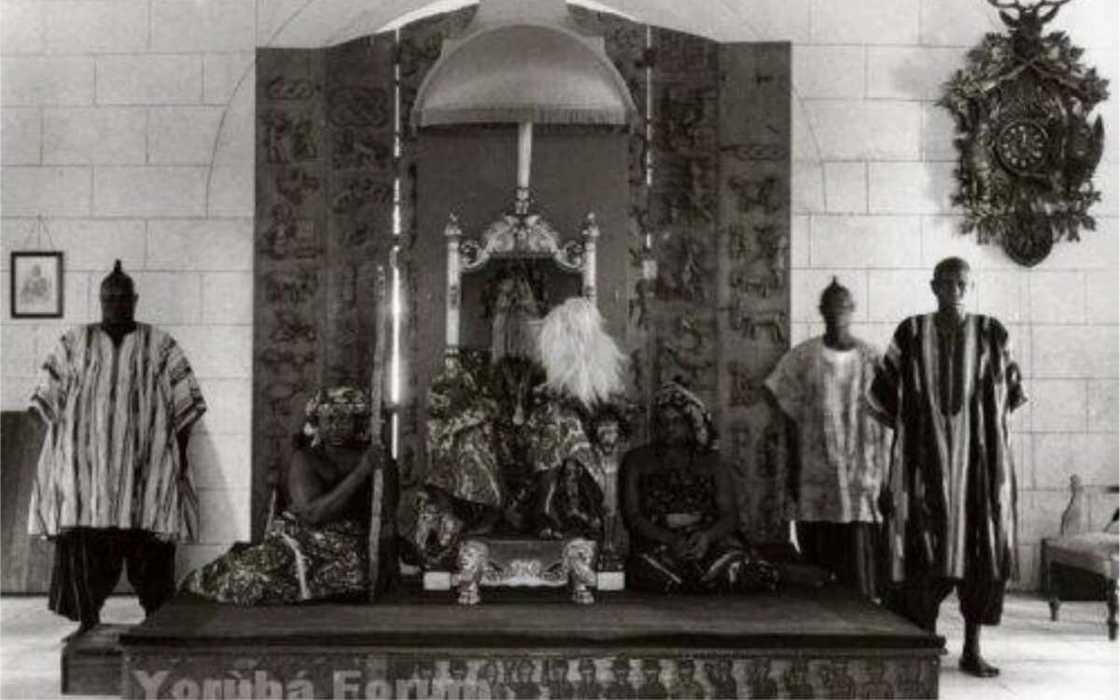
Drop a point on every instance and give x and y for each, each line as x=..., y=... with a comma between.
x=460, y=89
x=526, y=560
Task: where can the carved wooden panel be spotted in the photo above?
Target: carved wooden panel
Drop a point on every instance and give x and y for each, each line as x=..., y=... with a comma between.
x=324, y=184
x=682, y=343
x=753, y=279
x=290, y=225
x=626, y=45
x=359, y=132
x=714, y=219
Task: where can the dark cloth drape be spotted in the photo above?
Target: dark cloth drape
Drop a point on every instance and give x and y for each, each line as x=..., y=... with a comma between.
x=88, y=564
x=919, y=600
x=848, y=550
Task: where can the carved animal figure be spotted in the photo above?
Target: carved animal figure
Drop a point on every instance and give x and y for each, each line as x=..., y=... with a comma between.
x=290, y=289
x=763, y=194
x=747, y=283
x=675, y=361
x=290, y=328
x=1026, y=27
x=278, y=360
x=749, y=322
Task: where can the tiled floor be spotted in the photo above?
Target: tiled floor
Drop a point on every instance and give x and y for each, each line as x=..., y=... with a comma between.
x=1040, y=660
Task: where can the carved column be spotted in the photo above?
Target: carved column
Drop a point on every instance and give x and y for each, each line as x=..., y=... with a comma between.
x=590, y=235
x=454, y=236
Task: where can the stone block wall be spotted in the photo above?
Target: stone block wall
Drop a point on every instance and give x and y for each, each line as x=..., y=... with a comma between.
x=128, y=125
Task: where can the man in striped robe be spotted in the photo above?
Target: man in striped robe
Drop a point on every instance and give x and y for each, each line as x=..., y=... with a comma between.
x=112, y=486
x=947, y=386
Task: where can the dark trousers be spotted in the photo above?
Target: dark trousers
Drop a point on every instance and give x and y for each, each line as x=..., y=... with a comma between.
x=88, y=563
x=848, y=550
x=919, y=600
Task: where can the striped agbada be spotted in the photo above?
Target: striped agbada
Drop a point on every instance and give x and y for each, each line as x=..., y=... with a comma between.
x=110, y=458
x=952, y=485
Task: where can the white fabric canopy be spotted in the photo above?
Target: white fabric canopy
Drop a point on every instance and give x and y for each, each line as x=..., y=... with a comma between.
x=522, y=72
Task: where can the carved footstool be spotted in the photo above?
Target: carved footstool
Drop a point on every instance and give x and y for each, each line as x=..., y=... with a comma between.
x=514, y=562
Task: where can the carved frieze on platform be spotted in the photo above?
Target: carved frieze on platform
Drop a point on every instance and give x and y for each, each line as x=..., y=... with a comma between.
x=526, y=675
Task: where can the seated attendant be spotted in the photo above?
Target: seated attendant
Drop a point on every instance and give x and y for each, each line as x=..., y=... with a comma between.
x=316, y=546
x=680, y=509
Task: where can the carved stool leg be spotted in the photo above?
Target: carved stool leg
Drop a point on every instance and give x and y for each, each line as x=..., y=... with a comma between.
x=579, y=560
x=1112, y=604
x=473, y=558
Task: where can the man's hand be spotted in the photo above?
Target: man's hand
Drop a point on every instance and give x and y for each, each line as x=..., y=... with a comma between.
x=697, y=545
x=886, y=505
x=679, y=547
x=368, y=463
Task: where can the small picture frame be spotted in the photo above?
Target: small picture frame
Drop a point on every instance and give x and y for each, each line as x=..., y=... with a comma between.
x=37, y=285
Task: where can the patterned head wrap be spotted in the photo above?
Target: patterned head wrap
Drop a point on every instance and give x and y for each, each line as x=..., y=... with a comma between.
x=674, y=395
x=338, y=400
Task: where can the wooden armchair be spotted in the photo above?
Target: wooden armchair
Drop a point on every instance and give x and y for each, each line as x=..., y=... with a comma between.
x=1097, y=552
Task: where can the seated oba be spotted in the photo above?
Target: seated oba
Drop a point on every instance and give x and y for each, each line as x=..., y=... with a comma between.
x=679, y=507
x=316, y=544
x=510, y=453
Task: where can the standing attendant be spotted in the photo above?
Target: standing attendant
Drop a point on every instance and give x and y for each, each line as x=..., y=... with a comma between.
x=842, y=452
x=947, y=386
x=112, y=484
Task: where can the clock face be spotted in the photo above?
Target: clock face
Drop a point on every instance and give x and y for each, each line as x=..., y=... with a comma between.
x=1023, y=147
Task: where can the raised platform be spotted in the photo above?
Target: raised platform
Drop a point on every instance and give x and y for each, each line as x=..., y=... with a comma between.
x=91, y=663
x=820, y=643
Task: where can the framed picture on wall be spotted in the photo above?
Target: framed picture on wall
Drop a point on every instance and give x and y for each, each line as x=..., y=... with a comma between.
x=37, y=289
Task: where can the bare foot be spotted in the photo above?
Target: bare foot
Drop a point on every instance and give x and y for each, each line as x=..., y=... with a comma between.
x=975, y=665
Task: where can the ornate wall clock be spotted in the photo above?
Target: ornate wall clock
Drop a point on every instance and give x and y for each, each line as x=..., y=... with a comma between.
x=1027, y=149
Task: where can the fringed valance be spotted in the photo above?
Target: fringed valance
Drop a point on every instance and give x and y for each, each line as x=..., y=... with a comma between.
x=518, y=73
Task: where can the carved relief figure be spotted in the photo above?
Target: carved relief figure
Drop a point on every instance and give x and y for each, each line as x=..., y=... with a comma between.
x=758, y=679
x=288, y=237
x=651, y=686
x=293, y=184
x=686, y=687
x=764, y=195
x=796, y=679
x=748, y=322
x=288, y=137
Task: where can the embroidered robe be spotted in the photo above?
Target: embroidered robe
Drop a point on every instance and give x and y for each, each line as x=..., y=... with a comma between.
x=951, y=507
x=111, y=458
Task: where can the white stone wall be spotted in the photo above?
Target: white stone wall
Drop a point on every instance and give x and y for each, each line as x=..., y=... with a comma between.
x=873, y=176
x=128, y=125
x=120, y=128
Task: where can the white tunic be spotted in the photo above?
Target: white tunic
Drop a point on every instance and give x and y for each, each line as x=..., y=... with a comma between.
x=844, y=453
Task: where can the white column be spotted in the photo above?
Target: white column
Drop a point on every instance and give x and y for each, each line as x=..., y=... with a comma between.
x=524, y=154
x=590, y=234
x=453, y=234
